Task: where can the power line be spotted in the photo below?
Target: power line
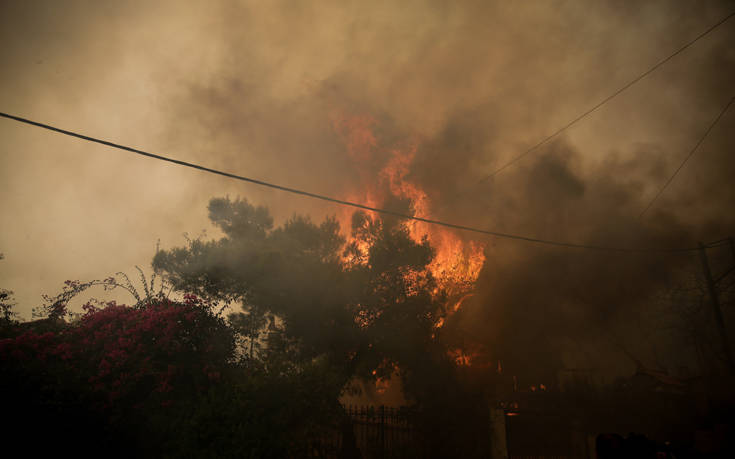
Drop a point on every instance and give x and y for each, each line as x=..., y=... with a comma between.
x=607, y=99
x=339, y=201
x=691, y=153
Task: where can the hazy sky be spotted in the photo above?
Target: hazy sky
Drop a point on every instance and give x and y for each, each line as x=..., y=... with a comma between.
x=254, y=87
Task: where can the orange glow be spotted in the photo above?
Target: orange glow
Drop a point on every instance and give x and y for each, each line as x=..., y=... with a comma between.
x=364, y=319
x=452, y=310
x=457, y=262
x=460, y=357
x=357, y=134
x=381, y=385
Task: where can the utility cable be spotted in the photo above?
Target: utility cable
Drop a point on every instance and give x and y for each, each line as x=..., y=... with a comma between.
x=691, y=153
x=608, y=98
x=340, y=201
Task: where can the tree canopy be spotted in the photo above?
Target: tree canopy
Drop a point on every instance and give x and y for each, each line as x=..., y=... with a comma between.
x=367, y=304
x=363, y=306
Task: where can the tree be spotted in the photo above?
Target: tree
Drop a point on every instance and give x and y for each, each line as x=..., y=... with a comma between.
x=7, y=316
x=157, y=379
x=361, y=310
x=120, y=361
x=364, y=308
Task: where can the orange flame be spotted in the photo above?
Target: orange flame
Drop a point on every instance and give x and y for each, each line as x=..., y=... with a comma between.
x=358, y=135
x=381, y=385
x=457, y=262
x=461, y=357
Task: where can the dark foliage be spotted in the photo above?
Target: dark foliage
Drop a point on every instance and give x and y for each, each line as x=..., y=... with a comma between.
x=364, y=309
x=158, y=380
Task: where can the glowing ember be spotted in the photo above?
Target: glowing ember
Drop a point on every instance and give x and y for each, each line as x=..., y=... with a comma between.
x=381, y=385
x=460, y=357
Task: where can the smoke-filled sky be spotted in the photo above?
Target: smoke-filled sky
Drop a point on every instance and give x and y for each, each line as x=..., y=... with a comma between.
x=259, y=89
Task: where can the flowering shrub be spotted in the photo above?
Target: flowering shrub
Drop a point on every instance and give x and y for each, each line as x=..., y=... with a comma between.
x=159, y=379
x=130, y=356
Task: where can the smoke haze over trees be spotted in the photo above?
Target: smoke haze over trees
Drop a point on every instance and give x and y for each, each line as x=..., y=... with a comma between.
x=407, y=105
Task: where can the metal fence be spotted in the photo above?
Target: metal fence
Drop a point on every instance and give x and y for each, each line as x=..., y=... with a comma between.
x=383, y=432
x=369, y=432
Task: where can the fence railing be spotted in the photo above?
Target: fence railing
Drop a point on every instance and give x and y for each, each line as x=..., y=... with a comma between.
x=382, y=432
x=369, y=432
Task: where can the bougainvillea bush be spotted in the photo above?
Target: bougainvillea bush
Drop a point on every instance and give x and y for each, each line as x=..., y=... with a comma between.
x=161, y=379
x=114, y=368
x=124, y=354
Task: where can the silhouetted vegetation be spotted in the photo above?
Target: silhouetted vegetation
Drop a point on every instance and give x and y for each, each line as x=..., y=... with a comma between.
x=364, y=309
x=174, y=378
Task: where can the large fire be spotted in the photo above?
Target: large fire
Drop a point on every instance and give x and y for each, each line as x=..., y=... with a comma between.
x=457, y=262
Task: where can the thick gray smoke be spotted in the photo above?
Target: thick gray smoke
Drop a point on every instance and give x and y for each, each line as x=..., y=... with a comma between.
x=259, y=88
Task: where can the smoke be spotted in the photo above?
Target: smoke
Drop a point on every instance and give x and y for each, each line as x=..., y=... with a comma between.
x=259, y=89
x=472, y=86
